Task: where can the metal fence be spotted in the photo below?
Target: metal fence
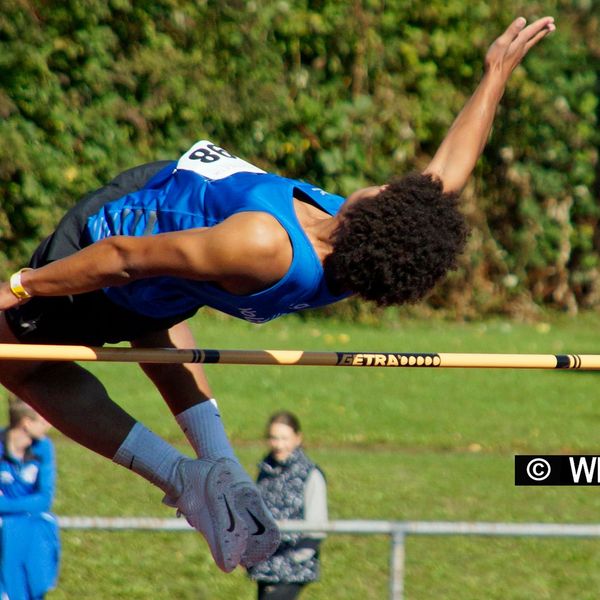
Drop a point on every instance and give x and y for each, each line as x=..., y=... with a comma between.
x=396, y=530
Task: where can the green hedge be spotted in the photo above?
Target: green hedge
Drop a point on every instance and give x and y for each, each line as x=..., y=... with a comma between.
x=340, y=93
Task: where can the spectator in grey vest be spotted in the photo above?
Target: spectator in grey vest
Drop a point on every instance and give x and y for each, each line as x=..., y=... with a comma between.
x=293, y=488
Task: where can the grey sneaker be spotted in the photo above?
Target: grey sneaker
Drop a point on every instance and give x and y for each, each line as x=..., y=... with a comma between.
x=209, y=504
x=263, y=533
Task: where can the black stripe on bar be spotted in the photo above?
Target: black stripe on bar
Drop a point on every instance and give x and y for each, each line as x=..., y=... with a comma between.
x=563, y=361
x=211, y=356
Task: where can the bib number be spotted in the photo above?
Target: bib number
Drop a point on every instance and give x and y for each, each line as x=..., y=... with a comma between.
x=213, y=162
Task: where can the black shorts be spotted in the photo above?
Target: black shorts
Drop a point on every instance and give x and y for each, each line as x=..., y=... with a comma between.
x=90, y=319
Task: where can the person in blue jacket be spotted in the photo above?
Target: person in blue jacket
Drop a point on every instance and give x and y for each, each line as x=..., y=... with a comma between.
x=135, y=259
x=29, y=540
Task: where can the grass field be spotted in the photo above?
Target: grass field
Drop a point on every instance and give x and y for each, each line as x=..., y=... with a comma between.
x=395, y=444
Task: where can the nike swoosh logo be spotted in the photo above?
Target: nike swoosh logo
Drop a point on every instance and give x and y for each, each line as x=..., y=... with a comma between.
x=260, y=528
x=231, y=517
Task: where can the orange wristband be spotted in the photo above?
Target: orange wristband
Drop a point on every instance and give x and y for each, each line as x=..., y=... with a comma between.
x=16, y=287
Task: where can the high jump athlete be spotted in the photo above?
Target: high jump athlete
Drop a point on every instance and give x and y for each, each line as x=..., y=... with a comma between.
x=133, y=260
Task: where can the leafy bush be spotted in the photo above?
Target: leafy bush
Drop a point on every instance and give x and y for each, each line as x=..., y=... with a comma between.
x=340, y=93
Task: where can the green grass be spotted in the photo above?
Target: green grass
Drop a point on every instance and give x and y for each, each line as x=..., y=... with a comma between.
x=395, y=444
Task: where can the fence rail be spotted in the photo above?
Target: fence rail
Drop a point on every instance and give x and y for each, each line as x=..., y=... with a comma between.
x=397, y=530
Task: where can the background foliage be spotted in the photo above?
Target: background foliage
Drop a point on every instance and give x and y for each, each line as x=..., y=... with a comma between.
x=339, y=93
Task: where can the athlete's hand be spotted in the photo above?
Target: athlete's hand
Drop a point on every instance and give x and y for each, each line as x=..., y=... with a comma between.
x=510, y=48
x=7, y=298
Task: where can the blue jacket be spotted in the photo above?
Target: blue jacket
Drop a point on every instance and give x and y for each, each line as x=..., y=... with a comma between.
x=29, y=540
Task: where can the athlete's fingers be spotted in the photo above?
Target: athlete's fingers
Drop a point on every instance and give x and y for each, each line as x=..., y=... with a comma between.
x=539, y=36
x=532, y=30
x=512, y=31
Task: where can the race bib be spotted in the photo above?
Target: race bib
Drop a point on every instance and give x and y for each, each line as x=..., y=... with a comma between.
x=212, y=162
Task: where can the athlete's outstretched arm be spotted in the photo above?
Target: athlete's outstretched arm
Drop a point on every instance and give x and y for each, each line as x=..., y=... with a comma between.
x=456, y=157
x=246, y=252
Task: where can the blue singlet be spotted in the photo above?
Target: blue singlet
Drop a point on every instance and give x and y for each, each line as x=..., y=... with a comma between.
x=205, y=187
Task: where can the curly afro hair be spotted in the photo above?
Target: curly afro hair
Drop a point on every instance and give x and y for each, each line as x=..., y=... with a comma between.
x=394, y=247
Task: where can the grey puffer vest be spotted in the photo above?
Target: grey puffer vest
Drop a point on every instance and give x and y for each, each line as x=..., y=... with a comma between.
x=282, y=487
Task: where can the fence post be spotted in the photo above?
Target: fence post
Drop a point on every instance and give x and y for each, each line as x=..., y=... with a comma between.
x=397, y=556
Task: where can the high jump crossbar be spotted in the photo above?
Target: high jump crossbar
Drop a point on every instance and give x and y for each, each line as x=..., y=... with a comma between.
x=589, y=362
